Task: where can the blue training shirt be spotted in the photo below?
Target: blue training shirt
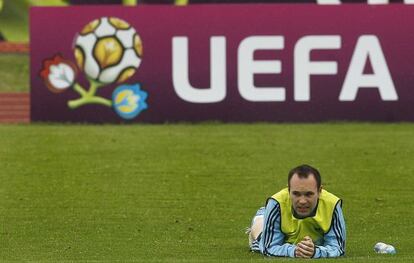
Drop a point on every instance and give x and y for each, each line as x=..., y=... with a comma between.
x=271, y=242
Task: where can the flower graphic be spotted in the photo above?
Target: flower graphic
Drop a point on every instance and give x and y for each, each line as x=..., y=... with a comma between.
x=58, y=73
x=129, y=101
x=107, y=50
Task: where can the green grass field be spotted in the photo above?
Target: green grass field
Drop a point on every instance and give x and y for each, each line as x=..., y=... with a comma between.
x=14, y=72
x=185, y=193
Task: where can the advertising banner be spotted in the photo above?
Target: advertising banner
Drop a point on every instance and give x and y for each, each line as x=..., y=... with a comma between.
x=230, y=63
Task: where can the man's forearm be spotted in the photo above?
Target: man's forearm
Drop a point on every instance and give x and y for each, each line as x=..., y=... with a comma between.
x=285, y=250
x=327, y=252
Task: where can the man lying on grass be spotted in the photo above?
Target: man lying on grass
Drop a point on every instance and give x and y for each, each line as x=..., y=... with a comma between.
x=302, y=221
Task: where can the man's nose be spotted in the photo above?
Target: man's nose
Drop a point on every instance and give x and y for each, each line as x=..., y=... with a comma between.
x=302, y=200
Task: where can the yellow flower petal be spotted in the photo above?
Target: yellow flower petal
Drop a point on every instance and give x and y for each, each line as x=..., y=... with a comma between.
x=138, y=45
x=90, y=27
x=127, y=108
x=118, y=23
x=122, y=95
x=80, y=58
x=108, y=51
x=126, y=74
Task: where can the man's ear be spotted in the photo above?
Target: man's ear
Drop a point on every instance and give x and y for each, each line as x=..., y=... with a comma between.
x=320, y=189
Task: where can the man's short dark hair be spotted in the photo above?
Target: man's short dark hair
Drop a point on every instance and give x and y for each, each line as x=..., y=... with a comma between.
x=303, y=171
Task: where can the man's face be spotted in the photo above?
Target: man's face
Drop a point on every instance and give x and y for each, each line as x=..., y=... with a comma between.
x=304, y=194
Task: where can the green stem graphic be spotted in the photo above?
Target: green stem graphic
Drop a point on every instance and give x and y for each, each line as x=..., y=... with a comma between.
x=79, y=89
x=88, y=97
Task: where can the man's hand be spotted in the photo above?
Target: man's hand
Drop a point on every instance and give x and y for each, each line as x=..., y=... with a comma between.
x=305, y=248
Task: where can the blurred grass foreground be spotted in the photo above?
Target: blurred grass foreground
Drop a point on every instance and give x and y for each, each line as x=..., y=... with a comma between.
x=185, y=193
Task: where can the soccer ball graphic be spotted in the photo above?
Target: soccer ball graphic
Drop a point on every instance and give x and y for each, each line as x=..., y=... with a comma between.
x=108, y=50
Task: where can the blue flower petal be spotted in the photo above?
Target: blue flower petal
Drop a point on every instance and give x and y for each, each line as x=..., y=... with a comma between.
x=129, y=100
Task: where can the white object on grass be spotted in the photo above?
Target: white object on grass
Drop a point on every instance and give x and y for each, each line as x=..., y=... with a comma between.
x=383, y=248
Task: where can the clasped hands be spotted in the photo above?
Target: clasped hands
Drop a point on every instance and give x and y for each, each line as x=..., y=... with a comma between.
x=305, y=248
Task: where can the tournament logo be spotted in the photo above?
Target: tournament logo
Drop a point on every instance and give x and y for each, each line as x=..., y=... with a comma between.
x=108, y=51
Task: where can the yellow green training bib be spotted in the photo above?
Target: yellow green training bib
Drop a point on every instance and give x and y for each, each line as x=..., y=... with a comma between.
x=316, y=227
